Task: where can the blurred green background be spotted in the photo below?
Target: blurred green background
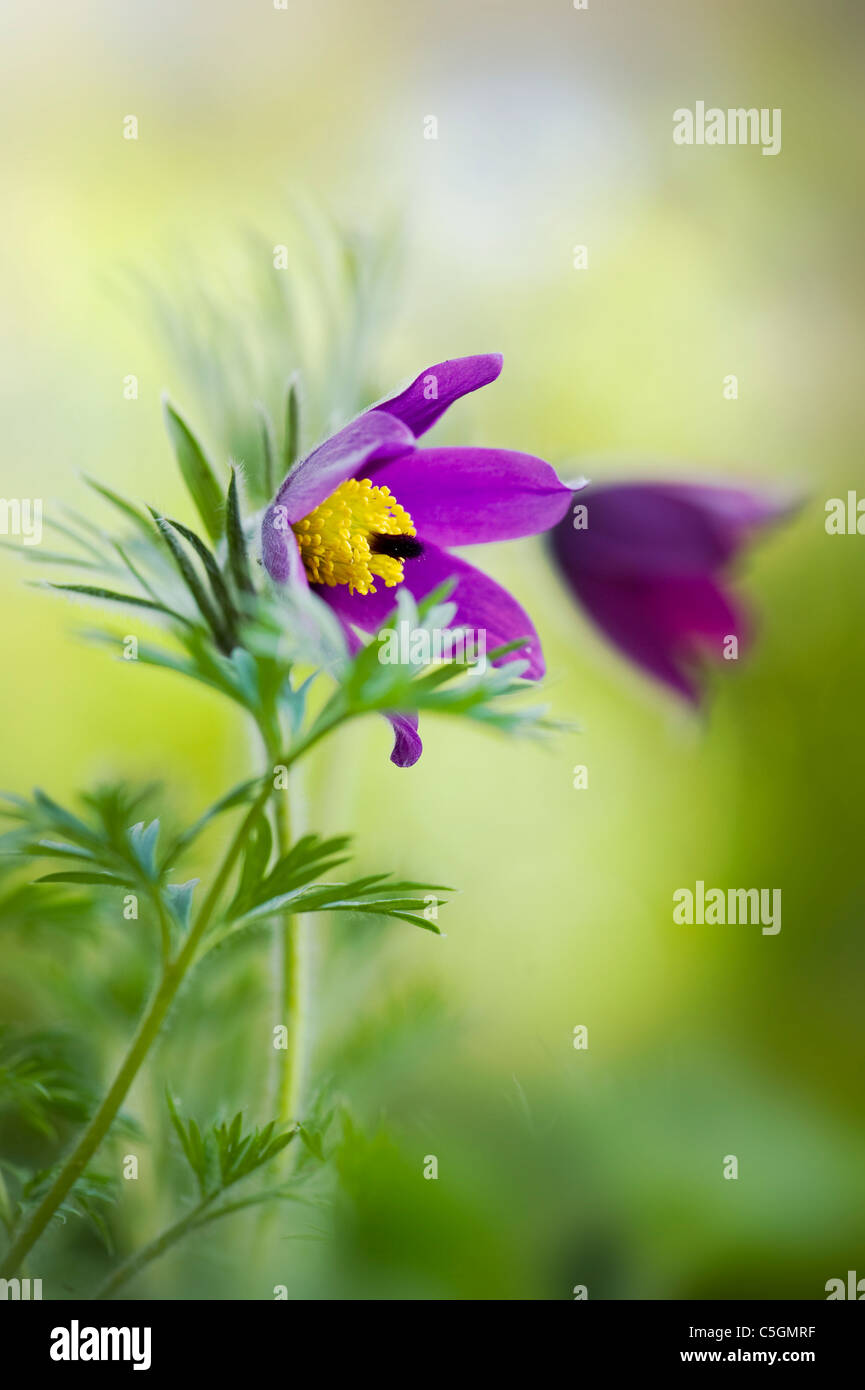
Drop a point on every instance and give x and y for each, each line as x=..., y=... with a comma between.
x=557, y=1167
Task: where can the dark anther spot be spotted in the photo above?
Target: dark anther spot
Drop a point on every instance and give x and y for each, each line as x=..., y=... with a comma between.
x=400, y=547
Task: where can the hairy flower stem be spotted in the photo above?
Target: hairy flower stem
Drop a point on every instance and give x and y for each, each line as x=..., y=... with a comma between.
x=148, y=1029
x=97, y=1129
x=295, y=962
x=173, y=974
x=200, y=1215
x=291, y=976
x=157, y=1247
x=5, y=1204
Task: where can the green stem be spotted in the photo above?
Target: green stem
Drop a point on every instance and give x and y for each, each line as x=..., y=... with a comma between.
x=164, y=925
x=291, y=965
x=148, y=1029
x=172, y=977
x=95, y=1132
x=157, y=1247
x=5, y=1205
x=193, y=1221
x=294, y=1002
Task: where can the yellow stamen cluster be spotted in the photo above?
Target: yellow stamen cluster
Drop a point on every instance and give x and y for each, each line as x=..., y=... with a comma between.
x=334, y=539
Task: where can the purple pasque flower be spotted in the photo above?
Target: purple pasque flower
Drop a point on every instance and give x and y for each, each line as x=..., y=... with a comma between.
x=370, y=509
x=648, y=562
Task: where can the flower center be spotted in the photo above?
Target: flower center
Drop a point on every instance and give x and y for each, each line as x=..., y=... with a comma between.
x=357, y=535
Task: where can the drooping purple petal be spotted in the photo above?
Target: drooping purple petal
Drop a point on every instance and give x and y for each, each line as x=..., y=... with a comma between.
x=407, y=745
x=375, y=436
x=483, y=606
x=431, y=393
x=737, y=511
x=663, y=625
x=649, y=569
x=465, y=496
x=666, y=528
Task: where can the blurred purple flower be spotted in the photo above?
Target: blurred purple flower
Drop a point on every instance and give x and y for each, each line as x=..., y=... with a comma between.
x=649, y=568
x=369, y=510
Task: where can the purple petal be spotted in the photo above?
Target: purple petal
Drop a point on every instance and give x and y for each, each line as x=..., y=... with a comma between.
x=664, y=625
x=431, y=393
x=375, y=436
x=464, y=496
x=649, y=565
x=661, y=528
x=279, y=549
x=482, y=605
x=732, y=506
x=407, y=746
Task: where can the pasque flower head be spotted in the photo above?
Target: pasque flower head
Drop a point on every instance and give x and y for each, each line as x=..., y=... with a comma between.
x=370, y=510
x=650, y=567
